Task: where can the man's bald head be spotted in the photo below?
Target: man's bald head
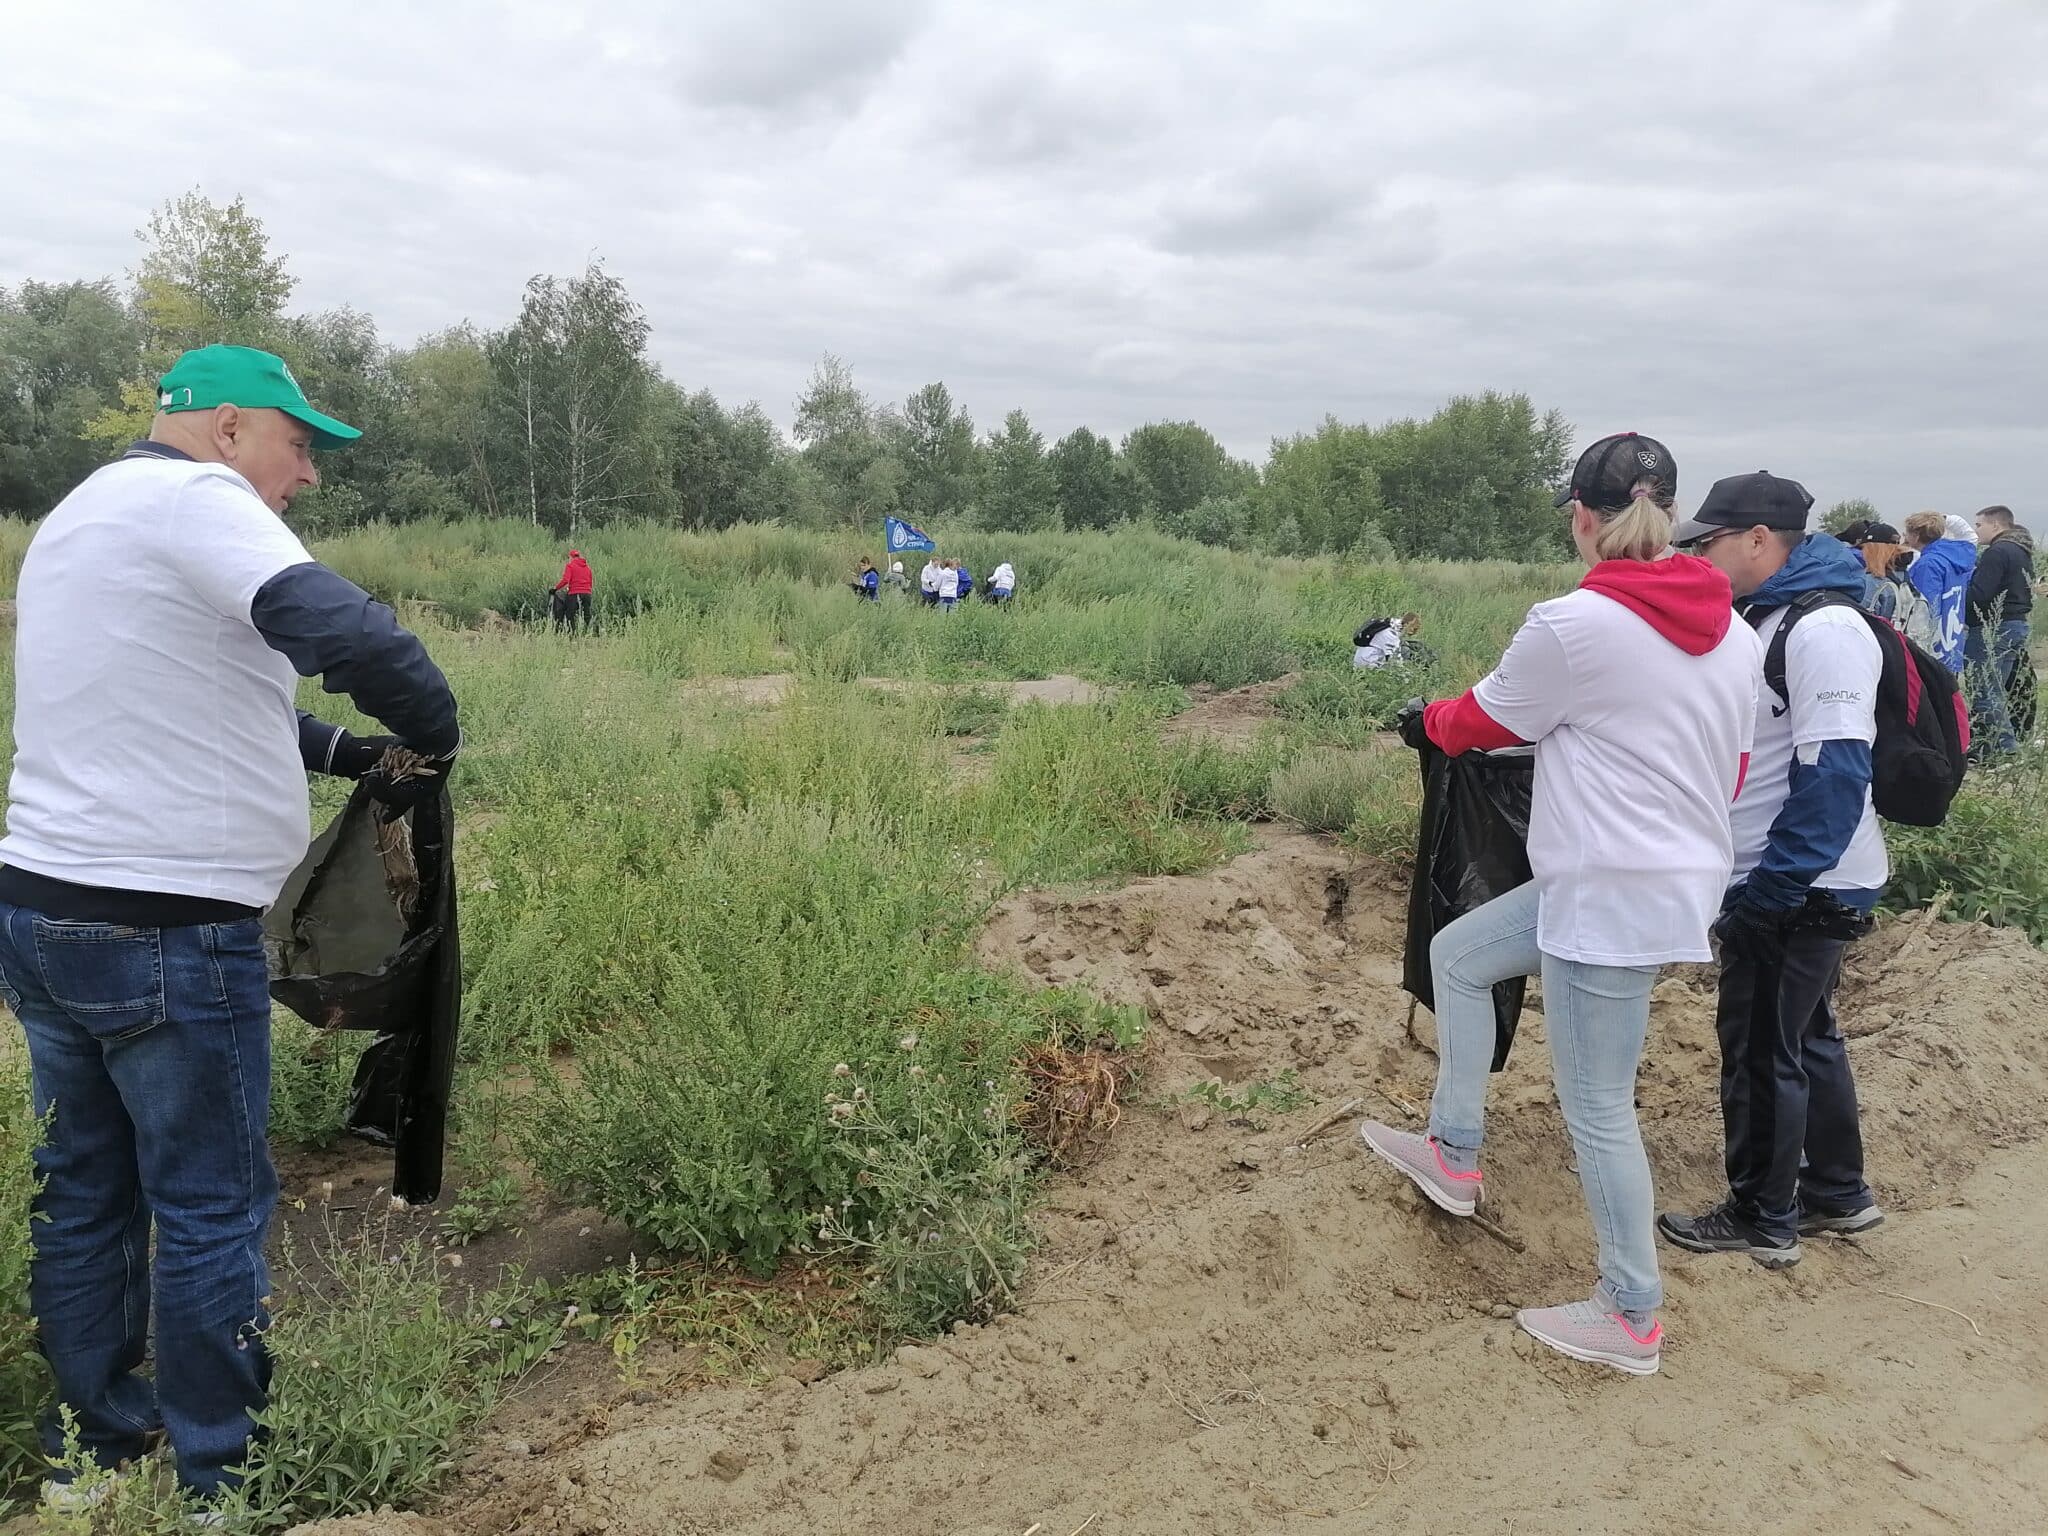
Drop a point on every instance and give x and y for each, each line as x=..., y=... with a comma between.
x=266, y=447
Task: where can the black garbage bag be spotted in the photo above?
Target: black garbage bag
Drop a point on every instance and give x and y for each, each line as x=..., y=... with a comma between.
x=364, y=936
x=1471, y=848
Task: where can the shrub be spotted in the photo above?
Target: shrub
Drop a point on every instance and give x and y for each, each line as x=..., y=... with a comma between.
x=1326, y=789
x=24, y=1379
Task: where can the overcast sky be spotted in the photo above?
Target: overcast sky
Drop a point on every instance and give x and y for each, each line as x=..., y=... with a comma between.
x=1803, y=235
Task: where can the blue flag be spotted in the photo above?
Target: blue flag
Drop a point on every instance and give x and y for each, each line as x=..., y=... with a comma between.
x=902, y=536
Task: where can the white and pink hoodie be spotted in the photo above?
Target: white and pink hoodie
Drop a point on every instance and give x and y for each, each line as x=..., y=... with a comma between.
x=1639, y=692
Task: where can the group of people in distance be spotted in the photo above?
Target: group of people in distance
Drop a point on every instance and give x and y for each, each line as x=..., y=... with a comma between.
x=941, y=584
x=1692, y=802
x=1964, y=592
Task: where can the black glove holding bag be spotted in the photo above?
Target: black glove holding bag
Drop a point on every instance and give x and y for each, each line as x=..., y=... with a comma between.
x=1409, y=724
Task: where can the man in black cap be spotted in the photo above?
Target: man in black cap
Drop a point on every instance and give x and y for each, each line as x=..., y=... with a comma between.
x=1809, y=865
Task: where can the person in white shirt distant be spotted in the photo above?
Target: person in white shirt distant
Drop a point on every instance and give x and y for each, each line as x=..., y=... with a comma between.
x=928, y=582
x=949, y=585
x=1639, y=693
x=1002, y=583
x=1378, y=641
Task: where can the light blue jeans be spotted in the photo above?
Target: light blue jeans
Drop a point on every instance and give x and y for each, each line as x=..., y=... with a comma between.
x=1597, y=1016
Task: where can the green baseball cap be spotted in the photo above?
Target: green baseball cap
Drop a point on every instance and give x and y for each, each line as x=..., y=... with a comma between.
x=220, y=375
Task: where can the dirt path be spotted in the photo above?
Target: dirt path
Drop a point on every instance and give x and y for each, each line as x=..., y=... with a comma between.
x=1228, y=1335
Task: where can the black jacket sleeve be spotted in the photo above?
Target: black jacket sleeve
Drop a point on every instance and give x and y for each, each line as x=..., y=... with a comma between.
x=1991, y=579
x=317, y=743
x=330, y=628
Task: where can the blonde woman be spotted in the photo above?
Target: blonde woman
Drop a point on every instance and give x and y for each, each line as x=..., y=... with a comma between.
x=1639, y=693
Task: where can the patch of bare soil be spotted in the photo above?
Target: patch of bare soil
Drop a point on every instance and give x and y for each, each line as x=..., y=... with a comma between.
x=1234, y=716
x=1229, y=1332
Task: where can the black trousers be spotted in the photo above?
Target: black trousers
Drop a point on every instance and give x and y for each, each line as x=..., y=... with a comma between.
x=572, y=609
x=1788, y=1102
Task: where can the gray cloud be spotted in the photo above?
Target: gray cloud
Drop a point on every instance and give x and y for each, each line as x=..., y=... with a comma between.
x=1801, y=233
x=775, y=55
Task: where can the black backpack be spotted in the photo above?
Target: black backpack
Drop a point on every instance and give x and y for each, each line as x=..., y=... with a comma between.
x=1923, y=719
x=1368, y=629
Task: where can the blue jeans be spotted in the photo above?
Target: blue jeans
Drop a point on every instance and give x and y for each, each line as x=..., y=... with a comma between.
x=1989, y=668
x=1597, y=1016
x=149, y=1050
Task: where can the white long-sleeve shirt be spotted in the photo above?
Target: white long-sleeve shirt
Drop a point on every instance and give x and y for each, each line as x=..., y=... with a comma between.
x=928, y=578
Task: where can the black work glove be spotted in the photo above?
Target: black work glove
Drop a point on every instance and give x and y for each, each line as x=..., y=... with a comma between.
x=1409, y=723
x=398, y=796
x=354, y=756
x=1746, y=931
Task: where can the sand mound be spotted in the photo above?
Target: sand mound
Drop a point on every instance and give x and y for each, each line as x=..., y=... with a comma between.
x=1233, y=716
x=1229, y=1333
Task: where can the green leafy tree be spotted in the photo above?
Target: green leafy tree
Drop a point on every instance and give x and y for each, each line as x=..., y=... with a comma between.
x=1843, y=513
x=1091, y=491
x=444, y=383
x=1320, y=491
x=725, y=467
x=938, y=452
x=65, y=351
x=838, y=428
x=207, y=276
x=1018, y=492
x=1178, y=464
x=572, y=394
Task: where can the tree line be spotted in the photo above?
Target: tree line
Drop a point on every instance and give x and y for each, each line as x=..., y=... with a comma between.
x=562, y=419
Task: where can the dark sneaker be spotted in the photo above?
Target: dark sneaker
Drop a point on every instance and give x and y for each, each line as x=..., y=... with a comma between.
x=1815, y=1220
x=1721, y=1230
x=1596, y=1332
x=1418, y=1157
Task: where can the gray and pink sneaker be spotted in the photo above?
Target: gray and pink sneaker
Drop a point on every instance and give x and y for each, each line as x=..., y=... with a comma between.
x=1419, y=1158
x=1596, y=1331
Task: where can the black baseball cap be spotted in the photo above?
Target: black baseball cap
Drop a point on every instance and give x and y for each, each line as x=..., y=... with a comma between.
x=1605, y=476
x=1761, y=500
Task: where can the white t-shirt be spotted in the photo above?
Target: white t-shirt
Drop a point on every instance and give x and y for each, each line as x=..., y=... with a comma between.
x=928, y=578
x=949, y=583
x=1638, y=747
x=1004, y=577
x=156, y=744
x=1832, y=667
x=1379, y=650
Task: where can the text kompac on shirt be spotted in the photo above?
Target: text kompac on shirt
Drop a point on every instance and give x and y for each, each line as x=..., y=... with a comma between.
x=156, y=745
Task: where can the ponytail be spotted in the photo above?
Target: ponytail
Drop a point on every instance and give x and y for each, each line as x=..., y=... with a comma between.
x=1639, y=531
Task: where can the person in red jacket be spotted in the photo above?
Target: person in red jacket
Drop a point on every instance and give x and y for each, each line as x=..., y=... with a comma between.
x=572, y=594
x=1639, y=696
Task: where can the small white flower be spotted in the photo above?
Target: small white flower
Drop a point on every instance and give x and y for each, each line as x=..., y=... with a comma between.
x=908, y=1042
x=917, y=1071
x=497, y=1322
x=842, y=1070
x=570, y=1315
x=842, y=1111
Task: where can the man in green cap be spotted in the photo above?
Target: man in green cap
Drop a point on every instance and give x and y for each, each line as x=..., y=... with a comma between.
x=158, y=801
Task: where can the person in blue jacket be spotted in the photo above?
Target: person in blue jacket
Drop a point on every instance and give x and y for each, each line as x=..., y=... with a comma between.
x=867, y=581
x=1809, y=865
x=966, y=582
x=1941, y=573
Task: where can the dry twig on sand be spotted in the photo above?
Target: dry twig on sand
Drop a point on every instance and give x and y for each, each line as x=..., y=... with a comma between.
x=1939, y=1306
x=1336, y=1116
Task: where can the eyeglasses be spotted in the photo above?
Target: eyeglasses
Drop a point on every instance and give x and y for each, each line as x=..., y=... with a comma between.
x=1695, y=546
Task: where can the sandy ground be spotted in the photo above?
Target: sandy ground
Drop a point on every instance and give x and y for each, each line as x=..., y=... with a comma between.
x=1226, y=1333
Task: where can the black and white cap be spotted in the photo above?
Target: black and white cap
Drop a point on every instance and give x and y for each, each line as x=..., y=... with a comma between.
x=1606, y=476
